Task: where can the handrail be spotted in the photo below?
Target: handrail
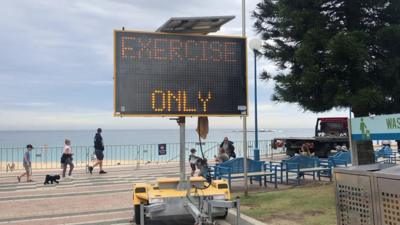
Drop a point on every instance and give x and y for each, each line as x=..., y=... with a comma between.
x=205, y=151
x=49, y=157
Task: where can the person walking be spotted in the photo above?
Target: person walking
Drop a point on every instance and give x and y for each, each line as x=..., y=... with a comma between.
x=193, y=158
x=228, y=147
x=27, y=164
x=66, y=159
x=98, y=151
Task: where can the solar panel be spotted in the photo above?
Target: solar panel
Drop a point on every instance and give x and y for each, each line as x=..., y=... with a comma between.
x=194, y=25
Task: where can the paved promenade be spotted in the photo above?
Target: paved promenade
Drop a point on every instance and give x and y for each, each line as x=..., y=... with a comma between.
x=87, y=199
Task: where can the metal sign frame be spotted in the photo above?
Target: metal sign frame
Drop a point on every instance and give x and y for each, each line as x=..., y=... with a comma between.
x=245, y=113
x=379, y=127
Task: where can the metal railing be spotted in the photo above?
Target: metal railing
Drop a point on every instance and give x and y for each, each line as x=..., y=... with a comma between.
x=114, y=155
x=41, y=157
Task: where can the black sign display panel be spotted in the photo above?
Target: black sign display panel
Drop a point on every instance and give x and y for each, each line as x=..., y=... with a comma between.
x=159, y=74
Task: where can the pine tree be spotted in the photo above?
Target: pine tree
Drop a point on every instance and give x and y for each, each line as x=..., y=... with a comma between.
x=333, y=53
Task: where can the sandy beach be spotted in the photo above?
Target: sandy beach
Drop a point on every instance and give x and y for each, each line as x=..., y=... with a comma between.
x=79, y=164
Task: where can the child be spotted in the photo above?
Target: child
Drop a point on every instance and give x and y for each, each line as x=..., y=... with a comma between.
x=27, y=164
x=193, y=160
x=222, y=156
x=66, y=159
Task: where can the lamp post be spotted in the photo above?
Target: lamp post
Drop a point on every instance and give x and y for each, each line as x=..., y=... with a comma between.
x=255, y=45
x=246, y=185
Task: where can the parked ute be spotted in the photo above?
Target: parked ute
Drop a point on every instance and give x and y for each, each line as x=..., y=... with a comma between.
x=329, y=132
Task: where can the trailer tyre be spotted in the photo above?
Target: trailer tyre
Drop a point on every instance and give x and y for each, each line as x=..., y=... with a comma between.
x=290, y=151
x=224, y=215
x=137, y=214
x=323, y=151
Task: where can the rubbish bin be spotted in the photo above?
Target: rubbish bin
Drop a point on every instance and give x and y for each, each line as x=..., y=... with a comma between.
x=387, y=192
x=361, y=189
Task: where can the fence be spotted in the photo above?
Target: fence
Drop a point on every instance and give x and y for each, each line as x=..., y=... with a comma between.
x=49, y=157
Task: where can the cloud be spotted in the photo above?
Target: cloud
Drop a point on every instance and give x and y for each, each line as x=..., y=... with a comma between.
x=31, y=104
x=96, y=83
x=91, y=9
x=270, y=116
x=102, y=83
x=57, y=62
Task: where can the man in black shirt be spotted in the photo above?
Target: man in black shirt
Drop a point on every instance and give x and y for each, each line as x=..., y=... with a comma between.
x=98, y=151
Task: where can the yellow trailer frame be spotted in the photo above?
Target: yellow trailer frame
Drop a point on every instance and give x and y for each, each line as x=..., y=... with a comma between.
x=166, y=192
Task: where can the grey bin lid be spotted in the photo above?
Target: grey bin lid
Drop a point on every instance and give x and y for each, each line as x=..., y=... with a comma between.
x=393, y=171
x=370, y=168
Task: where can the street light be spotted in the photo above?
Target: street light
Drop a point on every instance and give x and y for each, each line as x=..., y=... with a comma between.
x=255, y=45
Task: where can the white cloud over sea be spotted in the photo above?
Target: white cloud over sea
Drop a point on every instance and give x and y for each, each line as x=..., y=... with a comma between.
x=57, y=63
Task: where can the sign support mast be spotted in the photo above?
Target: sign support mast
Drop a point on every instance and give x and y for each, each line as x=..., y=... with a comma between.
x=182, y=140
x=246, y=186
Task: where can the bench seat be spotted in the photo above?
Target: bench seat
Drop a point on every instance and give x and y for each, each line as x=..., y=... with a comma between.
x=252, y=174
x=304, y=164
x=233, y=169
x=314, y=169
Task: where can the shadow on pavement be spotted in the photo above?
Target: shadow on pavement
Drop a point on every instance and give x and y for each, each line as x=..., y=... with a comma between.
x=172, y=221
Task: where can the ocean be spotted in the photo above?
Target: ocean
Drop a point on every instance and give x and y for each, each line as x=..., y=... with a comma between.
x=56, y=138
x=125, y=147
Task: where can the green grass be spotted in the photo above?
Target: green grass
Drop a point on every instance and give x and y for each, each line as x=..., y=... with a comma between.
x=312, y=205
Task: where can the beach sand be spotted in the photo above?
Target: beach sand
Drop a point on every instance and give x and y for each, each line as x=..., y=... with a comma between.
x=80, y=164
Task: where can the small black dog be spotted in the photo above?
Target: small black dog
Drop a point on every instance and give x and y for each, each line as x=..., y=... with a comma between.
x=50, y=178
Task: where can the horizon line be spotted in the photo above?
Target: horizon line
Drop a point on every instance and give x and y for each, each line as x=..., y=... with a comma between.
x=133, y=129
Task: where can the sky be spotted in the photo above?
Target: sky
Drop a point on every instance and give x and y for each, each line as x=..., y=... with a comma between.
x=56, y=69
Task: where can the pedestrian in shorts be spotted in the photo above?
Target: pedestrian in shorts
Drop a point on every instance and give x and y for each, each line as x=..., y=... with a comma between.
x=27, y=164
x=98, y=151
x=66, y=159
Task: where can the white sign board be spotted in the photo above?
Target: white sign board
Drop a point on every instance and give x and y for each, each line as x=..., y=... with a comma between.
x=383, y=127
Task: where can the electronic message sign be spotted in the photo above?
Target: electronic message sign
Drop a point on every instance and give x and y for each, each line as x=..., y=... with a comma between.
x=163, y=74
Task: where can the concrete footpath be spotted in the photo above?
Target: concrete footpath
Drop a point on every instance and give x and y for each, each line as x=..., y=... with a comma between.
x=87, y=199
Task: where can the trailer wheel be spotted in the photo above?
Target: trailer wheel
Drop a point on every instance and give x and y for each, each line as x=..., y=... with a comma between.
x=323, y=151
x=223, y=216
x=290, y=151
x=137, y=214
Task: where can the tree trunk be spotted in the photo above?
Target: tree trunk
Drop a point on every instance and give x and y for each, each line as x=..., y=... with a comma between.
x=362, y=151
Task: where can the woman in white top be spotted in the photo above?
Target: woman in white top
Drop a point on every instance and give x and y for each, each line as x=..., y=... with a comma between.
x=66, y=158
